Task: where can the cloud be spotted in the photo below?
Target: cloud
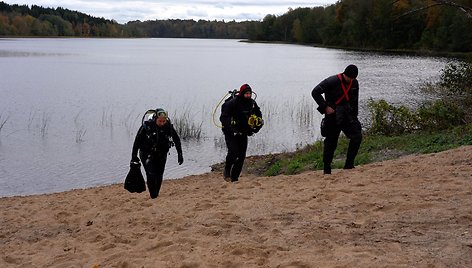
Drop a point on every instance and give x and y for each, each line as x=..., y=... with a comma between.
x=124, y=10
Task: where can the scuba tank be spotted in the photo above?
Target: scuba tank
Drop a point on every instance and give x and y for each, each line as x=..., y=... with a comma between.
x=149, y=119
x=232, y=94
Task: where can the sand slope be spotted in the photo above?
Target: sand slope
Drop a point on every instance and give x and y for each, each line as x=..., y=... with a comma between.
x=415, y=211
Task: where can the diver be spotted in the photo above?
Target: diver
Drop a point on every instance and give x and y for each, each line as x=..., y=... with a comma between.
x=154, y=139
x=340, y=107
x=240, y=117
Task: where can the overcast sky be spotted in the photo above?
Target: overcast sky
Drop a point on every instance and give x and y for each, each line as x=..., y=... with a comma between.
x=125, y=10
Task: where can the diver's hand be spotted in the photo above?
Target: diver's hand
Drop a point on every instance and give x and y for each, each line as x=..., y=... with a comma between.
x=180, y=159
x=134, y=161
x=329, y=110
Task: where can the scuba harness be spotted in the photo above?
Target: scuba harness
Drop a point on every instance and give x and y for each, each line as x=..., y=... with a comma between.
x=152, y=131
x=253, y=122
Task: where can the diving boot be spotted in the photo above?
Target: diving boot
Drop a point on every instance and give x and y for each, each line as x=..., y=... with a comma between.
x=227, y=174
x=327, y=169
x=349, y=165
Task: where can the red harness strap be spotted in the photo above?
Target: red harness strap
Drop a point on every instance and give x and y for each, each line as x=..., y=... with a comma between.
x=345, y=90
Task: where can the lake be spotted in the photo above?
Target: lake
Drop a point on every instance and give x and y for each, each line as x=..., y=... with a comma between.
x=71, y=107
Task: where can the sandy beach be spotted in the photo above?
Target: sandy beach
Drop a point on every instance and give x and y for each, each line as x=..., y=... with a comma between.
x=415, y=211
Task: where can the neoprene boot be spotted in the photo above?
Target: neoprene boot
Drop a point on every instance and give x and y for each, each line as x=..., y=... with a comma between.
x=326, y=169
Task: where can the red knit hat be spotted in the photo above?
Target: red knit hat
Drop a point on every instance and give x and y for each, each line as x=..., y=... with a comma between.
x=244, y=88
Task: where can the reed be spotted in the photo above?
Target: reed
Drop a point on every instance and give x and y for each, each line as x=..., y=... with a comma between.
x=268, y=110
x=302, y=112
x=79, y=134
x=76, y=118
x=3, y=121
x=186, y=127
x=80, y=129
x=107, y=118
x=44, y=124
x=305, y=112
x=31, y=117
x=130, y=122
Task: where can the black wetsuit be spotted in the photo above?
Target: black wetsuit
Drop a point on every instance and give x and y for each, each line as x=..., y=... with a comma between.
x=234, y=118
x=344, y=119
x=153, y=144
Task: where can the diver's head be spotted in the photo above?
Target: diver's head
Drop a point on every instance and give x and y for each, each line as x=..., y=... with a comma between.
x=245, y=91
x=161, y=117
x=351, y=72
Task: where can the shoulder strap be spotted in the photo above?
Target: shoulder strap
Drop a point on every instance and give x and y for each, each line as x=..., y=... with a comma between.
x=345, y=90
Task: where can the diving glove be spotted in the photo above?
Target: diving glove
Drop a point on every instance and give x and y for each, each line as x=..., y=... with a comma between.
x=134, y=161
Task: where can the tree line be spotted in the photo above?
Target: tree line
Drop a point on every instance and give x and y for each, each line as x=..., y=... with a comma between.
x=22, y=20
x=436, y=25
x=375, y=24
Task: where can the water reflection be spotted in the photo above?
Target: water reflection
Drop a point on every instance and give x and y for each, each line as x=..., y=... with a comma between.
x=9, y=53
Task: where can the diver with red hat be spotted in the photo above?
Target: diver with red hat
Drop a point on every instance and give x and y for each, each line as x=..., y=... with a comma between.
x=240, y=117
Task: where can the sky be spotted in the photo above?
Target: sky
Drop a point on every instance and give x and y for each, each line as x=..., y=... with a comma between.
x=123, y=11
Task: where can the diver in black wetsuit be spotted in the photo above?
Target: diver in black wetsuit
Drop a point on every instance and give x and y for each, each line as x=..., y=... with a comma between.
x=340, y=106
x=241, y=117
x=153, y=140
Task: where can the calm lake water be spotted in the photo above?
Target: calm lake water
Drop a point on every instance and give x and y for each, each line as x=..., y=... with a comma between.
x=72, y=107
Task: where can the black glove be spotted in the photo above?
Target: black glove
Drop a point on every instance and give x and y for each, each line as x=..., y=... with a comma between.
x=180, y=158
x=134, y=161
x=322, y=109
x=257, y=128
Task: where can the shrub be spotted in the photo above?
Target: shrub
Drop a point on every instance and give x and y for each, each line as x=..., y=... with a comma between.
x=457, y=78
x=274, y=169
x=390, y=120
x=453, y=109
x=440, y=115
x=455, y=87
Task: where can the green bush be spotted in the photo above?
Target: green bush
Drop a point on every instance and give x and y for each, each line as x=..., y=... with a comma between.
x=456, y=87
x=453, y=109
x=457, y=78
x=390, y=120
x=274, y=169
x=440, y=115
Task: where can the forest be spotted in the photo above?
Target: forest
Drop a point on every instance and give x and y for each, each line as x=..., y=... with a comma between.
x=429, y=25
x=375, y=24
x=22, y=20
